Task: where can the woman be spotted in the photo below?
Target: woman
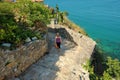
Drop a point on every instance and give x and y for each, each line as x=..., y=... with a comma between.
x=58, y=41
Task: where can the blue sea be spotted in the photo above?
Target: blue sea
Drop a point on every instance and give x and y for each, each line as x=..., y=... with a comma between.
x=99, y=18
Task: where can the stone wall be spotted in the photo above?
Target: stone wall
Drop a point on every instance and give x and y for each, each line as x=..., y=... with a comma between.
x=12, y=63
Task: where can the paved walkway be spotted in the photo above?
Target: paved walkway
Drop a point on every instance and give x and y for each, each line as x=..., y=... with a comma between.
x=63, y=65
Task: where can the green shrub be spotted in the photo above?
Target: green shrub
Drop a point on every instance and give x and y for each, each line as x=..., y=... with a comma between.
x=113, y=68
x=88, y=66
x=110, y=67
x=106, y=76
x=16, y=20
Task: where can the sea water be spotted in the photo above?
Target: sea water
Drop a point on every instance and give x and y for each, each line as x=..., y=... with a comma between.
x=99, y=18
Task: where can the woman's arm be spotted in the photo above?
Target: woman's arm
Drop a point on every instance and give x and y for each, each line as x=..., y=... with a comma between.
x=55, y=39
x=60, y=39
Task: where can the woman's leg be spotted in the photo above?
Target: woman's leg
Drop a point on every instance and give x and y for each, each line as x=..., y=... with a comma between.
x=58, y=44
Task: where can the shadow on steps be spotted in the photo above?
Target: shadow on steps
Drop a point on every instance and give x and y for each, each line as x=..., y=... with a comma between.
x=46, y=68
x=63, y=32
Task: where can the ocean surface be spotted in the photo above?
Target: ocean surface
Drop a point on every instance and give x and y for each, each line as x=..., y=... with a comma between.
x=99, y=18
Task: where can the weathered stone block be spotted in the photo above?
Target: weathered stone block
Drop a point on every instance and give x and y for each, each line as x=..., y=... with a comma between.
x=28, y=40
x=6, y=44
x=34, y=38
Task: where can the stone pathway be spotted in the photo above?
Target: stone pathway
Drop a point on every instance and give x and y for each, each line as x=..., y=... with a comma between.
x=63, y=65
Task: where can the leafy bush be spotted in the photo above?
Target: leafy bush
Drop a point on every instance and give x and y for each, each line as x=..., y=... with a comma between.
x=110, y=67
x=27, y=12
x=88, y=66
x=113, y=68
x=17, y=20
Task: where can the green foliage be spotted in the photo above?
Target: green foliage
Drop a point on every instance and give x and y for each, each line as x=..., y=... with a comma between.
x=65, y=13
x=27, y=12
x=57, y=8
x=2, y=34
x=16, y=20
x=106, y=76
x=90, y=68
x=14, y=34
x=23, y=12
x=110, y=66
x=113, y=68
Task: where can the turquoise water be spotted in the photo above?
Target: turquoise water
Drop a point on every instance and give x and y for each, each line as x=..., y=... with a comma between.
x=100, y=19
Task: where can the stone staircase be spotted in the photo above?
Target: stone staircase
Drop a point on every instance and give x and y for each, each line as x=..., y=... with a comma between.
x=63, y=65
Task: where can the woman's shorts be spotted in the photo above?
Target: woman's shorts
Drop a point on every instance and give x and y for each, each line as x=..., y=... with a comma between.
x=58, y=44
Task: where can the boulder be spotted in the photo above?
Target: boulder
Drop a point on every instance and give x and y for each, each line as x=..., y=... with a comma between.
x=27, y=40
x=34, y=38
x=6, y=45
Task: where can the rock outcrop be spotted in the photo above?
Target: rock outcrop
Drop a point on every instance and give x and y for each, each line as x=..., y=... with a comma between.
x=66, y=64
